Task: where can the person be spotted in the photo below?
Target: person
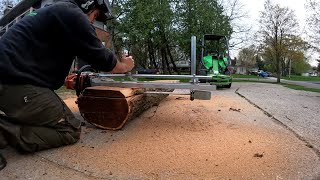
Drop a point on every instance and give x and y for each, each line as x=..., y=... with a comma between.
x=35, y=57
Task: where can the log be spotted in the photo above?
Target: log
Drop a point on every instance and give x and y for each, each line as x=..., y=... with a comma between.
x=111, y=107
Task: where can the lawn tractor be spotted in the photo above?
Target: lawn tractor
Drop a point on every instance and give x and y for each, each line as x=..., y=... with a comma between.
x=215, y=60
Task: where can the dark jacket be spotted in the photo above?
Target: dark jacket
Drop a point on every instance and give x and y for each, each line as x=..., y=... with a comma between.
x=40, y=48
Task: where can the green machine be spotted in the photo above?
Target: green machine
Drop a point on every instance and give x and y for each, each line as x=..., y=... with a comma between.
x=215, y=60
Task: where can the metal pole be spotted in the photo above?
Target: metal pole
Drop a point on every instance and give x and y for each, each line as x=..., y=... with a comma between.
x=193, y=61
x=193, y=55
x=162, y=76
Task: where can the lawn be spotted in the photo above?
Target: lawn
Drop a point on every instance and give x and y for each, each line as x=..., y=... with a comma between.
x=301, y=78
x=301, y=88
x=290, y=86
x=245, y=76
x=293, y=77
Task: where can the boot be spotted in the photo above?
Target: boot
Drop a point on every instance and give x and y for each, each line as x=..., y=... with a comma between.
x=3, y=162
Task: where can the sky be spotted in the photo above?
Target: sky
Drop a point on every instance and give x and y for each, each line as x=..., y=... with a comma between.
x=253, y=7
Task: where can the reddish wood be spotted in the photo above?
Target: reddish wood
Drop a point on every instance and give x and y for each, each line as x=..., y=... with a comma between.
x=111, y=108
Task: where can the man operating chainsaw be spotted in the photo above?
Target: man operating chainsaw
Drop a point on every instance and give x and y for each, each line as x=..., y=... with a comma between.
x=35, y=57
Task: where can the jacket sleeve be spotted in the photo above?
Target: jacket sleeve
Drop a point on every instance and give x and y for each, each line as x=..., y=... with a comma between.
x=83, y=39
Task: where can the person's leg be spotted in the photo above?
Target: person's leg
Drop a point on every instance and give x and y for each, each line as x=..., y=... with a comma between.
x=3, y=141
x=3, y=162
x=36, y=119
x=3, y=144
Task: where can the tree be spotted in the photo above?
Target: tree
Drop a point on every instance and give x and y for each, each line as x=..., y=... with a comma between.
x=313, y=22
x=276, y=25
x=247, y=57
x=293, y=50
x=147, y=24
x=197, y=18
x=160, y=30
x=237, y=16
x=260, y=62
x=299, y=65
x=294, y=53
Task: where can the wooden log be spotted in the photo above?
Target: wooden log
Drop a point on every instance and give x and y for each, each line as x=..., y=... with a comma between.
x=111, y=107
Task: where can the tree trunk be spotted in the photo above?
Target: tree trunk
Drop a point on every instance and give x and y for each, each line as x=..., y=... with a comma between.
x=164, y=63
x=285, y=66
x=170, y=56
x=278, y=70
x=166, y=59
x=151, y=54
x=111, y=107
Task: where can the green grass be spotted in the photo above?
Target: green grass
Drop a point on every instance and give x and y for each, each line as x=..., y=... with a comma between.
x=290, y=86
x=301, y=78
x=293, y=77
x=252, y=80
x=245, y=76
x=300, y=88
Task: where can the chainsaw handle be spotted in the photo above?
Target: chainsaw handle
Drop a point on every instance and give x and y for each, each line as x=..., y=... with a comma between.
x=82, y=81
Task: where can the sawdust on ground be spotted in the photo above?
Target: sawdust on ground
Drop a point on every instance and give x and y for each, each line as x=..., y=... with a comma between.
x=224, y=138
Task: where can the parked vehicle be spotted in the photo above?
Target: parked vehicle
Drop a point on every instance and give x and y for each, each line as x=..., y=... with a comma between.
x=269, y=74
x=253, y=73
x=263, y=74
x=146, y=71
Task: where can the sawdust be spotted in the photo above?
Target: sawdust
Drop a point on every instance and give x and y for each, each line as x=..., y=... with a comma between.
x=192, y=140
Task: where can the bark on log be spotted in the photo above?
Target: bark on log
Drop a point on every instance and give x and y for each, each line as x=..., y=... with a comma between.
x=111, y=108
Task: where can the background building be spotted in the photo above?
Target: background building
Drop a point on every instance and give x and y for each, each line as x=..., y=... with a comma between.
x=13, y=14
x=24, y=7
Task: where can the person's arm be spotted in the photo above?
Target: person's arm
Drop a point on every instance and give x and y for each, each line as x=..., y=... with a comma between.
x=84, y=42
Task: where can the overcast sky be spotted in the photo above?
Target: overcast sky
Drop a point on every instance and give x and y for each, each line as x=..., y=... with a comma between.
x=253, y=7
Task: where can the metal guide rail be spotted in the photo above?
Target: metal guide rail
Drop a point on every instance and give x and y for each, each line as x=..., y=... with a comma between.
x=197, y=90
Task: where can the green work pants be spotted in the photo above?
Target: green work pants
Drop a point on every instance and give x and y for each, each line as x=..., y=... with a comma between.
x=35, y=118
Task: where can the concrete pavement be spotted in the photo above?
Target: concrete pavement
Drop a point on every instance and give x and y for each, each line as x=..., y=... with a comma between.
x=299, y=111
x=251, y=131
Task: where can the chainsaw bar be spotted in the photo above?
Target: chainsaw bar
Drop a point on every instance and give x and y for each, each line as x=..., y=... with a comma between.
x=197, y=91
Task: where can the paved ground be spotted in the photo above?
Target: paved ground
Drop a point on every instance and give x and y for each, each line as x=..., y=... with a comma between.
x=299, y=111
x=252, y=131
